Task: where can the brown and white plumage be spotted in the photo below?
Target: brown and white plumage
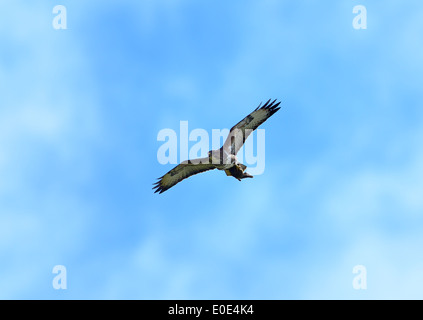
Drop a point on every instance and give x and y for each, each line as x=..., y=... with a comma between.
x=240, y=132
x=225, y=157
x=182, y=171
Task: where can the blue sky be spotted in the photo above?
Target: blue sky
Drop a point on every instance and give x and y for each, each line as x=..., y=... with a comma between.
x=80, y=110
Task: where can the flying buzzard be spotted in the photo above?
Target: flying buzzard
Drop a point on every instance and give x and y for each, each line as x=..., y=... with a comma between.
x=225, y=157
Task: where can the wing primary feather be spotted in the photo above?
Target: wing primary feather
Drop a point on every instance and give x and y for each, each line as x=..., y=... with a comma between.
x=258, y=107
x=265, y=105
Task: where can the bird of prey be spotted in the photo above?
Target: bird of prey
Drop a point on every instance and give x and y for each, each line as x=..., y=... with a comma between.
x=225, y=157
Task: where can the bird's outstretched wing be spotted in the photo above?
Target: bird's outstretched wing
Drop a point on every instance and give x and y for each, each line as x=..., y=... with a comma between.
x=182, y=171
x=240, y=132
